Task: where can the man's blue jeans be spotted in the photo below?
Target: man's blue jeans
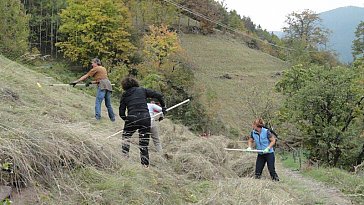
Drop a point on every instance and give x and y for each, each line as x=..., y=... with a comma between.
x=100, y=96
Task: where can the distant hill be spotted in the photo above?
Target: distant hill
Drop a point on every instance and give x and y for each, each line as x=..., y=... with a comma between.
x=342, y=22
x=280, y=34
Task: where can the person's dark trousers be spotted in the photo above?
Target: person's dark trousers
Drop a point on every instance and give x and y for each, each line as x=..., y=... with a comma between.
x=141, y=122
x=260, y=163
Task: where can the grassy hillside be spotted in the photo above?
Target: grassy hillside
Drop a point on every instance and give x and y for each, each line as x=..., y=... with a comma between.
x=60, y=155
x=237, y=81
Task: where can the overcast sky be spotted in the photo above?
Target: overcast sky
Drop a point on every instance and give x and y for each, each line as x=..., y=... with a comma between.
x=271, y=14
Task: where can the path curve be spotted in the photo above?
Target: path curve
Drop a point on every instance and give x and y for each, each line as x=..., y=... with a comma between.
x=330, y=195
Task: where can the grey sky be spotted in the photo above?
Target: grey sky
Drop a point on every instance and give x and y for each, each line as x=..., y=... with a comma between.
x=271, y=14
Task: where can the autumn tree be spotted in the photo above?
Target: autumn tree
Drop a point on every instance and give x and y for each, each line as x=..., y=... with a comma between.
x=358, y=42
x=207, y=12
x=14, y=30
x=160, y=43
x=93, y=28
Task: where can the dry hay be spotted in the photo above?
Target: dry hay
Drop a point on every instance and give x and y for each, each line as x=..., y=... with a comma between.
x=248, y=191
x=244, y=165
x=212, y=149
x=47, y=156
x=202, y=158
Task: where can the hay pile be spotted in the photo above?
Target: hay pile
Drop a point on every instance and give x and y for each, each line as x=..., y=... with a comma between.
x=46, y=156
x=203, y=158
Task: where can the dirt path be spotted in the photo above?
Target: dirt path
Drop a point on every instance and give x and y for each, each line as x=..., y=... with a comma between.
x=327, y=195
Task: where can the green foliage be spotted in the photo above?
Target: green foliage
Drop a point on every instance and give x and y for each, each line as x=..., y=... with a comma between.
x=13, y=29
x=293, y=159
x=6, y=202
x=146, y=12
x=7, y=166
x=324, y=104
x=235, y=21
x=44, y=24
x=118, y=72
x=350, y=184
x=305, y=35
x=293, y=80
x=358, y=42
x=96, y=28
x=305, y=27
x=153, y=81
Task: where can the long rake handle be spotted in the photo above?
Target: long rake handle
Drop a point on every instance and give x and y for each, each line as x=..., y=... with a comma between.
x=168, y=109
x=174, y=106
x=71, y=85
x=244, y=150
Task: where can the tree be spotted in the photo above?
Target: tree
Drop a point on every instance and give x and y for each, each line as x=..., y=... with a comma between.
x=93, y=28
x=13, y=28
x=235, y=21
x=249, y=24
x=325, y=105
x=306, y=37
x=160, y=43
x=207, y=12
x=305, y=28
x=44, y=23
x=358, y=42
x=146, y=12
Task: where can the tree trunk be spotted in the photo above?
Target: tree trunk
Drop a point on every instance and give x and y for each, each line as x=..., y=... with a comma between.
x=337, y=155
x=360, y=156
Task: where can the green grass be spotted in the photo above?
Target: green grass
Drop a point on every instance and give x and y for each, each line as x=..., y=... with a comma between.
x=350, y=184
x=248, y=94
x=294, y=161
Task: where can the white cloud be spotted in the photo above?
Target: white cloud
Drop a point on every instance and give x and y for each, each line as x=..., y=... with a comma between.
x=271, y=14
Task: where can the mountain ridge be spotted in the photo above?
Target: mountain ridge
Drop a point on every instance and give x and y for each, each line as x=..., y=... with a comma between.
x=342, y=22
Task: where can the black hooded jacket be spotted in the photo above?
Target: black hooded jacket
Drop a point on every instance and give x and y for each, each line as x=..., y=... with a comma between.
x=135, y=100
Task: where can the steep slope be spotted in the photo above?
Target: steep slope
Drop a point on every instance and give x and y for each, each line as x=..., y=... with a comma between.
x=60, y=155
x=237, y=82
x=57, y=149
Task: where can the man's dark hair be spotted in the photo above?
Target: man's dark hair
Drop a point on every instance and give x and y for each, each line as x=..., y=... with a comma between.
x=96, y=60
x=129, y=82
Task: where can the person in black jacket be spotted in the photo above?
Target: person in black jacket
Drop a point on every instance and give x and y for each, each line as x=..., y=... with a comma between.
x=134, y=99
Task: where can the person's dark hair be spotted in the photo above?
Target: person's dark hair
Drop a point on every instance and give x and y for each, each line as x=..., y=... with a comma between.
x=96, y=60
x=129, y=82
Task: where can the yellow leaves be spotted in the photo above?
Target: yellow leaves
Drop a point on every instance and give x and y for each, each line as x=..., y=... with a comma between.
x=96, y=28
x=160, y=43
